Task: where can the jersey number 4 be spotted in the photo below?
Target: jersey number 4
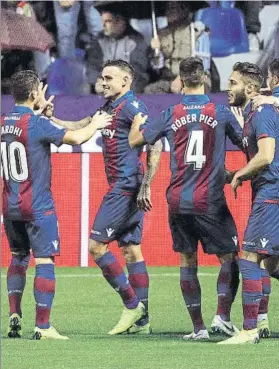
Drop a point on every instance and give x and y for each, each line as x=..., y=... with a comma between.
x=14, y=161
x=194, y=150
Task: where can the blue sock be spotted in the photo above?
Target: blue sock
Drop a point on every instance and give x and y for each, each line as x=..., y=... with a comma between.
x=114, y=274
x=44, y=290
x=16, y=280
x=139, y=280
x=251, y=292
x=191, y=291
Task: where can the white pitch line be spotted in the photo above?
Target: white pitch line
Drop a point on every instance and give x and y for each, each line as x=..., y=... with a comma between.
x=101, y=276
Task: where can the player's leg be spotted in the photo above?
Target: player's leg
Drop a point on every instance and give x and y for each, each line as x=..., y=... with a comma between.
x=185, y=241
x=16, y=274
x=130, y=243
x=191, y=291
x=116, y=277
x=45, y=243
x=263, y=326
x=227, y=286
x=218, y=236
x=107, y=227
x=272, y=265
x=263, y=220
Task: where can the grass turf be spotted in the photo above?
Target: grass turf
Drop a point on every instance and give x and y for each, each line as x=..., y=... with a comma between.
x=85, y=308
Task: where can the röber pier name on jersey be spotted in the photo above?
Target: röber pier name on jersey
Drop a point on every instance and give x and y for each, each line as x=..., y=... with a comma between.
x=194, y=118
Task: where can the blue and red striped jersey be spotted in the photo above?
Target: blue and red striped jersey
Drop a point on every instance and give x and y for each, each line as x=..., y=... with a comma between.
x=196, y=130
x=26, y=165
x=260, y=123
x=275, y=92
x=123, y=166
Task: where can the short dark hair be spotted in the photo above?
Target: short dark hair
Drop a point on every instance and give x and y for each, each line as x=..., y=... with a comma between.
x=251, y=72
x=22, y=83
x=191, y=71
x=121, y=64
x=274, y=68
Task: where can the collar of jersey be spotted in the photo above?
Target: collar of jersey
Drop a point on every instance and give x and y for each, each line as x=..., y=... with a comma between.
x=247, y=110
x=275, y=92
x=128, y=95
x=195, y=99
x=22, y=109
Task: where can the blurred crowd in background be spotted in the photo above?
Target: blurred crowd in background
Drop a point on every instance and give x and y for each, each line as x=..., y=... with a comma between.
x=85, y=34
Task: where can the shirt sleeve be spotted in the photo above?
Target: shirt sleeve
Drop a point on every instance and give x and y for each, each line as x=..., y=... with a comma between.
x=233, y=129
x=153, y=130
x=50, y=131
x=266, y=122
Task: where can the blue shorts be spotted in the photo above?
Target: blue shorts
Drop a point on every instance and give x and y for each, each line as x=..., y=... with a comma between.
x=217, y=232
x=119, y=219
x=41, y=235
x=262, y=232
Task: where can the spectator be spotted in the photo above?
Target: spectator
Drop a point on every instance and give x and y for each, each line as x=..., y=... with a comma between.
x=251, y=11
x=174, y=44
x=118, y=41
x=66, y=16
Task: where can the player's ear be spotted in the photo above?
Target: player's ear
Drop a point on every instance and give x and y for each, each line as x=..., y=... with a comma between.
x=33, y=95
x=250, y=88
x=126, y=80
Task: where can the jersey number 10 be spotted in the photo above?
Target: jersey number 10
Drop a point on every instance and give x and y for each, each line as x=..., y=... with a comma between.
x=14, y=161
x=194, y=150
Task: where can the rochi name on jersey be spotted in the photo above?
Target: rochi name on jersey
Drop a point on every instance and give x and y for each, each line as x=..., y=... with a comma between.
x=194, y=118
x=11, y=129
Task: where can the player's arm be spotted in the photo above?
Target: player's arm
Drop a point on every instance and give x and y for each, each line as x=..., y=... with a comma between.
x=262, y=99
x=266, y=129
x=152, y=163
x=72, y=125
x=77, y=137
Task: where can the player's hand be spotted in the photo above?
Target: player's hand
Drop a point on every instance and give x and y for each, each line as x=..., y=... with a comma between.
x=139, y=119
x=144, y=198
x=261, y=99
x=48, y=111
x=229, y=175
x=235, y=183
x=101, y=119
x=238, y=113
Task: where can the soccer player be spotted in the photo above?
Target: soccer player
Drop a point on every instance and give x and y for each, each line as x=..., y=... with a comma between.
x=261, y=238
x=196, y=130
x=29, y=214
x=273, y=85
x=120, y=216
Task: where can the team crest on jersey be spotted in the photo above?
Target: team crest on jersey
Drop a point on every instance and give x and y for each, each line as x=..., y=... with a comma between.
x=245, y=141
x=136, y=104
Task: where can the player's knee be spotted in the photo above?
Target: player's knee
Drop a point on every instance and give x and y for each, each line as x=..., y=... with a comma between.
x=97, y=249
x=132, y=253
x=188, y=260
x=223, y=258
x=49, y=260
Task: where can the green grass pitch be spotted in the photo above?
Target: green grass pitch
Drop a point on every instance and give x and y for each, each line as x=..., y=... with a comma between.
x=86, y=308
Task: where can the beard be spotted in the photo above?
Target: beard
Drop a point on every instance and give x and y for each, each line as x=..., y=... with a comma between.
x=239, y=99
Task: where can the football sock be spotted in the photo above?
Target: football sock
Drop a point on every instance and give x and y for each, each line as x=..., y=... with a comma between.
x=251, y=292
x=16, y=280
x=44, y=290
x=266, y=290
x=139, y=280
x=114, y=274
x=191, y=292
x=227, y=285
